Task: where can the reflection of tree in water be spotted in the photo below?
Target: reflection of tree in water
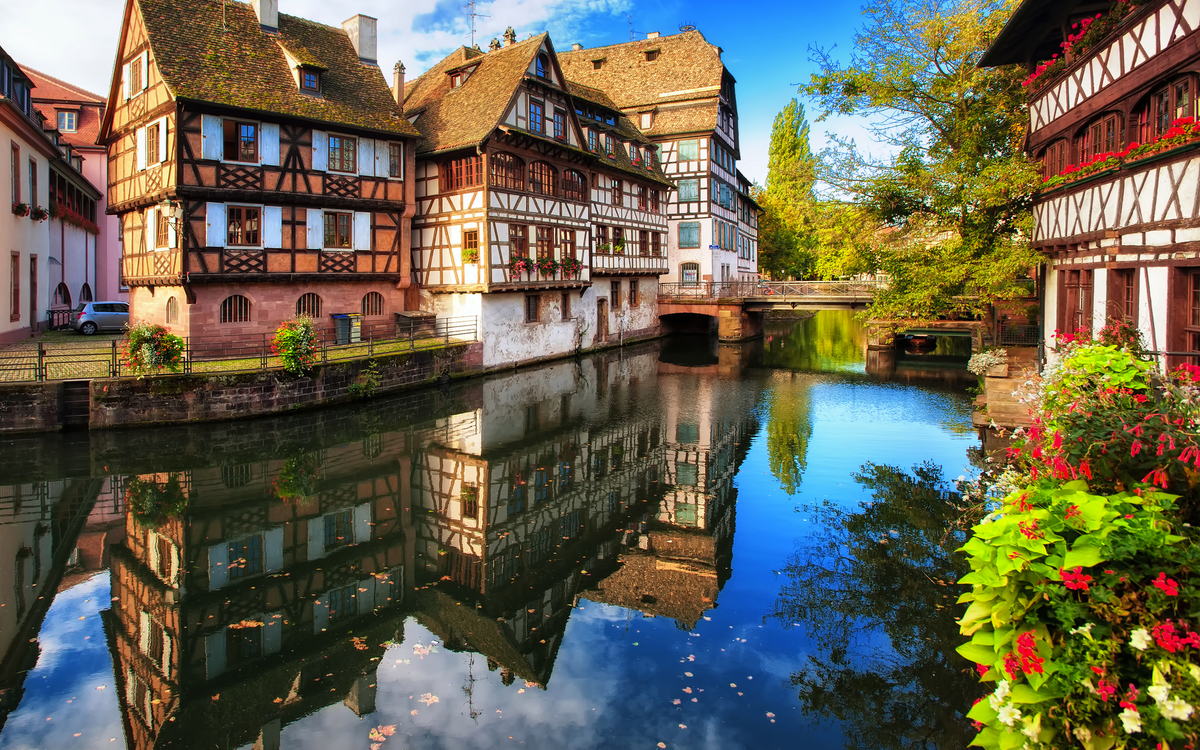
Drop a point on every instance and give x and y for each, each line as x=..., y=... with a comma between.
x=830, y=341
x=789, y=428
x=874, y=590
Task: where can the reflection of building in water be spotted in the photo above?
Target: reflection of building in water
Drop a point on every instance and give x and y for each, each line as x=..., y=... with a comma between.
x=247, y=593
x=517, y=520
x=39, y=523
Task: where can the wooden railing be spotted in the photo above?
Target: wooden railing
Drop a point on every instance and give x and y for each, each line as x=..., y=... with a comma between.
x=863, y=290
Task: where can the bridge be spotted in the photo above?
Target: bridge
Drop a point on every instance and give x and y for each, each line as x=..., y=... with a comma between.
x=737, y=306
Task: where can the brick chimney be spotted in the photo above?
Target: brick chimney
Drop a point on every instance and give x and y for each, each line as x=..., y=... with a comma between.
x=576, y=47
x=364, y=35
x=510, y=37
x=398, y=83
x=494, y=45
x=652, y=35
x=267, y=12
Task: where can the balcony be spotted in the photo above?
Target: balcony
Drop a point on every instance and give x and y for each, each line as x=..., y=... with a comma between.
x=628, y=264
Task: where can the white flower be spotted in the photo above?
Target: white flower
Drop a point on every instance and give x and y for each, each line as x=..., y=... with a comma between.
x=1083, y=734
x=996, y=699
x=1140, y=639
x=1083, y=629
x=1131, y=721
x=1159, y=693
x=1175, y=708
x=1009, y=715
x=1032, y=730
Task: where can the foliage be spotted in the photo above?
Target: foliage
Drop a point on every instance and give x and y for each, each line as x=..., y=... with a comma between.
x=298, y=478
x=74, y=218
x=149, y=348
x=787, y=243
x=981, y=362
x=295, y=343
x=20, y=209
x=571, y=267
x=1084, y=35
x=470, y=255
x=789, y=431
x=519, y=265
x=367, y=383
x=547, y=266
x=152, y=503
x=958, y=190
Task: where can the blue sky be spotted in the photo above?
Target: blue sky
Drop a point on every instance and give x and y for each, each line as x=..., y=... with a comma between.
x=765, y=42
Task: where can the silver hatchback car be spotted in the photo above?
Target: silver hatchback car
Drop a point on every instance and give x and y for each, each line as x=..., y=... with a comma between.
x=89, y=317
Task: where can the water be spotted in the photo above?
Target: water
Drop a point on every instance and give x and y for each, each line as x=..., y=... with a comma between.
x=663, y=546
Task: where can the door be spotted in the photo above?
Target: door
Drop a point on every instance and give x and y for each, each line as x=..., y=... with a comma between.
x=33, y=289
x=601, y=320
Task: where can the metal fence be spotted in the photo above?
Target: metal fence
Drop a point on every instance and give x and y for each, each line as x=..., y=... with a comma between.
x=1019, y=335
x=232, y=354
x=768, y=289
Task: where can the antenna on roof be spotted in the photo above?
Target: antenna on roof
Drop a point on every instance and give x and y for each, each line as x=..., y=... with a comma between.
x=471, y=16
x=630, y=26
x=685, y=28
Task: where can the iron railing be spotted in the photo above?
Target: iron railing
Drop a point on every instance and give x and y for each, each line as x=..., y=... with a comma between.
x=769, y=289
x=91, y=358
x=1012, y=334
x=58, y=318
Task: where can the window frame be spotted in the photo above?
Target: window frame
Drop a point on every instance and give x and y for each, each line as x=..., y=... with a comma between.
x=232, y=311
x=691, y=182
x=507, y=171
x=305, y=72
x=395, y=161
x=633, y=293
x=542, y=179
x=532, y=308
x=1103, y=135
x=162, y=229
x=237, y=141
x=243, y=220
x=518, y=241
x=1055, y=158
x=689, y=225
x=541, y=66
x=72, y=116
x=325, y=231
x=172, y=311
x=544, y=241
x=566, y=243
x=691, y=143
x=614, y=294
x=462, y=173
x=617, y=192
x=369, y=306
x=339, y=164
x=309, y=305
x=1161, y=107
x=573, y=185
x=537, y=116
x=560, y=124
x=15, y=153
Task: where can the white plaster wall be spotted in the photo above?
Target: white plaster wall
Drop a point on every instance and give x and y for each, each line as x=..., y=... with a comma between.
x=702, y=255
x=18, y=234
x=627, y=317
x=72, y=260
x=107, y=250
x=1050, y=309
x=1152, y=317
x=508, y=339
x=1099, y=299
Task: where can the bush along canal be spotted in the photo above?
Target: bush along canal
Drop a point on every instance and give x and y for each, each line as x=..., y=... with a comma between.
x=679, y=544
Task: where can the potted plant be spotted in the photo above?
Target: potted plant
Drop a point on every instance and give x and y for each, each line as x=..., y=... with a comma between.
x=547, y=266
x=470, y=255
x=619, y=247
x=519, y=265
x=149, y=347
x=296, y=344
x=20, y=209
x=297, y=478
x=152, y=503
x=604, y=249
x=571, y=267
x=39, y=214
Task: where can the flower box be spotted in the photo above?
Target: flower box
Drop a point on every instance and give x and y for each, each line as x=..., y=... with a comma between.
x=1163, y=153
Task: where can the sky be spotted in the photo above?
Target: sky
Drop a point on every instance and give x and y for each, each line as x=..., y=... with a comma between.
x=766, y=43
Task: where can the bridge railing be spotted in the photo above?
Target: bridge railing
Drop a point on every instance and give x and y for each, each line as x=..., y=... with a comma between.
x=768, y=289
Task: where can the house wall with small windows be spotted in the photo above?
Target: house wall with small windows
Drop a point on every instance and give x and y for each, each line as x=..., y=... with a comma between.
x=24, y=242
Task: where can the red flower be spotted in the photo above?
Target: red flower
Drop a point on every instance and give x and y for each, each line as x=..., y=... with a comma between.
x=1077, y=580
x=982, y=669
x=1141, y=398
x=1011, y=665
x=1027, y=649
x=1106, y=689
x=1029, y=529
x=1168, y=586
x=1166, y=637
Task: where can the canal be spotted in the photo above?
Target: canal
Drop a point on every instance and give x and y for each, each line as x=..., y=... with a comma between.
x=675, y=545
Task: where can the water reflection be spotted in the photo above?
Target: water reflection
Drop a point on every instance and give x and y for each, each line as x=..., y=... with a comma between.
x=549, y=553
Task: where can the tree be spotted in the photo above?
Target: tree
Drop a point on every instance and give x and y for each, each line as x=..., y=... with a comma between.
x=958, y=189
x=787, y=244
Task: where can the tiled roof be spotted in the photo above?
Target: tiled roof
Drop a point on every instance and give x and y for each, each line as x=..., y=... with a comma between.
x=686, y=118
x=49, y=91
x=242, y=66
x=49, y=87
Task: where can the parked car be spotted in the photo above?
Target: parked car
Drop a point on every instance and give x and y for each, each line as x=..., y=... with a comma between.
x=89, y=317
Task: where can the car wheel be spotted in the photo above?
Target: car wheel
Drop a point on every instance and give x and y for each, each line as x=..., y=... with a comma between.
x=88, y=328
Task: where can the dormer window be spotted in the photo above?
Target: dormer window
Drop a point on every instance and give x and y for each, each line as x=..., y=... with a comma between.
x=68, y=122
x=651, y=55
x=310, y=80
x=542, y=66
x=598, y=64
x=456, y=79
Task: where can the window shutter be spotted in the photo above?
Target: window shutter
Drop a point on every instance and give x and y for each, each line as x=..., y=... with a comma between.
x=214, y=654
x=145, y=63
x=174, y=565
x=316, y=539
x=366, y=157
x=211, y=138
x=316, y=228
x=140, y=137
x=366, y=596
x=172, y=239
x=215, y=231
x=381, y=158
x=269, y=144
x=151, y=229
x=321, y=614
x=272, y=226
x=362, y=230
x=144, y=632
x=320, y=150
x=125, y=81
x=273, y=549
x=152, y=546
x=162, y=140
x=362, y=523
x=166, y=654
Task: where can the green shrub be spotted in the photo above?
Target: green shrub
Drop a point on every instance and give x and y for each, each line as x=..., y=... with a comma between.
x=152, y=503
x=296, y=344
x=149, y=348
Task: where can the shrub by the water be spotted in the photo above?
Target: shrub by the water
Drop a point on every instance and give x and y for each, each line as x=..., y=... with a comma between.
x=296, y=344
x=149, y=347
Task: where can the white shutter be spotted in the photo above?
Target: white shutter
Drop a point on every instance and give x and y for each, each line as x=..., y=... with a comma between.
x=211, y=137
x=140, y=137
x=125, y=81
x=315, y=224
x=215, y=232
x=320, y=150
x=316, y=538
x=145, y=63
x=362, y=523
x=362, y=230
x=174, y=565
x=162, y=139
x=152, y=544
x=272, y=227
x=321, y=614
x=273, y=542
x=144, y=632
x=172, y=240
x=218, y=565
x=151, y=229
x=366, y=599
x=268, y=150
x=272, y=633
x=366, y=157
x=381, y=158
x=168, y=642
x=214, y=654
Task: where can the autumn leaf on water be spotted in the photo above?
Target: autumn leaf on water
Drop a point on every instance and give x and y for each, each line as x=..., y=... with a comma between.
x=770, y=715
x=687, y=690
x=359, y=643
x=428, y=699
x=245, y=624
x=677, y=701
x=529, y=684
x=412, y=712
x=215, y=697
x=278, y=700
x=687, y=674
x=662, y=744
x=421, y=651
x=381, y=732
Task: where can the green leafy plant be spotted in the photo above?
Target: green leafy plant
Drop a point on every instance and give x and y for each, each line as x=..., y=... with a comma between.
x=571, y=267
x=368, y=381
x=152, y=503
x=547, y=266
x=149, y=348
x=298, y=478
x=520, y=265
x=296, y=344
x=470, y=255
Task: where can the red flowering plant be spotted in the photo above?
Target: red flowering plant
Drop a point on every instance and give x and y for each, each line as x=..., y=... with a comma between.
x=520, y=265
x=298, y=478
x=295, y=344
x=150, y=349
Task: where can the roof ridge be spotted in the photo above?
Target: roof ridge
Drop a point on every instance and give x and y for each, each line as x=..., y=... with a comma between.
x=77, y=89
x=311, y=22
x=635, y=41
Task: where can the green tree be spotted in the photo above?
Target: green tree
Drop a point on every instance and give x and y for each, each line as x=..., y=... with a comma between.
x=789, y=430
x=787, y=243
x=958, y=190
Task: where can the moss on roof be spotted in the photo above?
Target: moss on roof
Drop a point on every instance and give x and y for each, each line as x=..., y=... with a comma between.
x=240, y=65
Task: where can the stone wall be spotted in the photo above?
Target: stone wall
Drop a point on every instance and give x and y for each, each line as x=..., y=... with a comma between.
x=29, y=407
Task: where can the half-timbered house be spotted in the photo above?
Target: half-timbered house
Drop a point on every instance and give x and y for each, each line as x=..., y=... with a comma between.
x=679, y=94
x=259, y=167
x=1118, y=216
x=511, y=187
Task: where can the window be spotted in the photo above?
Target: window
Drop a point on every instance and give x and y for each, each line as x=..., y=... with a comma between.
x=241, y=141
x=541, y=178
x=68, y=121
x=566, y=243
x=689, y=150
x=689, y=234
x=342, y=604
x=651, y=55
x=245, y=557
x=152, y=156
x=15, y=293
x=608, y=145
x=1191, y=281
x=537, y=116
x=545, y=242
x=592, y=145
x=310, y=80
x=172, y=310
x=309, y=305
x=689, y=274
x=33, y=183
x=1165, y=105
x=470, y=246
x=531, y=308
x=1054, y=159
x=135, y=76
x=372, y=304
x=1076, y=309
x=618, y=197
x=463, y=172
x=16, y=174
x=1122, y=295
x=560, y=125
x=655, y=206
x=395, y=160
x=633, y=293
x=689, y=190
x=614, y=294
x=456, y=79
x=338, y=530
x=243, y=226
x=342, y=153
x=598, y=64
x=62, y=296
x=643, y=198
x=618, y=235
x=655, y=243
x=508, y=172
x=566, y=306
x=162, y=229
x=574, y=185
x=85, y=293
x=518, y=239
x=1103, y=136
x=541, y=66
x=337, y=230
x=235, y=309
x=601, y=236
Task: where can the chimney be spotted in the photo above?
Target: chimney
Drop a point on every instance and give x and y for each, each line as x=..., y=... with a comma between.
x=267, y=12
x=398, y=84
x=510, y=37
x=576, y=47
x=363, y=33
x=494, y=45
x=652, y=35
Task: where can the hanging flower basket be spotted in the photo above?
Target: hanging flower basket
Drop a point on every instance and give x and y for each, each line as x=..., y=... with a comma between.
x=571, y=267
x=547, y=267
x=20, y=209
x=519, y=266
x=39, y=214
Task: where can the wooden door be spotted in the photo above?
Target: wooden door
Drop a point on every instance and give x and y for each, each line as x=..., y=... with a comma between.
x=601, y=320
